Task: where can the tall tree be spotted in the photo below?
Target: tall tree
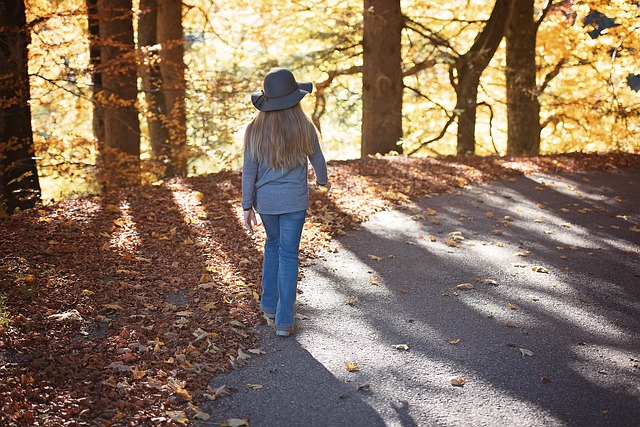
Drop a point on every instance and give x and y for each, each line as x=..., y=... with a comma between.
x=93, y=23
x=523, y=107
x=152, y=81
x=120, y=152
x=382, y=84
x=172, y=70
x=19, y=181
x=469, y=68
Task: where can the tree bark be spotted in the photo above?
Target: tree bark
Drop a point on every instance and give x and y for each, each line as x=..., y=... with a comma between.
x=469, y=67
x=120, y=152
x=523, y=106
x=19, y=183
x=94, y=59
x=173, y=83
x=152, y=82
x=382, y=78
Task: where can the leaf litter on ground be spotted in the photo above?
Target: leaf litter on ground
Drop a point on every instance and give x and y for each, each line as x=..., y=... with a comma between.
x=127, y=271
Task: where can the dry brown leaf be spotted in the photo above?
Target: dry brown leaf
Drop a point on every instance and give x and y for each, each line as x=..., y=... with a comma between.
x=457, y=381
x=539, y=269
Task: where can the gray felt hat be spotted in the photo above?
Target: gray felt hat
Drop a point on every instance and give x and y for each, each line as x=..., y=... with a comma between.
x=280, y=91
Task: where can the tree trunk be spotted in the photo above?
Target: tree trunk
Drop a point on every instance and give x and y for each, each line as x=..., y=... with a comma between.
x=94, y=58
x=120, y=152
x=152, y=82
x=523, y=107
x=382, y=78
x=19, y=183
x=173, y=83
x=469, y=68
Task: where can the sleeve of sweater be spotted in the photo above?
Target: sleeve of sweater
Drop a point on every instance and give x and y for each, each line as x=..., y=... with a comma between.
x=249, y=176
x=319, y=164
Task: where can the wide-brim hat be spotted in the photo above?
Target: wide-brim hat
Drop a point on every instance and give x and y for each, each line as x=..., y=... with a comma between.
x=280, y=91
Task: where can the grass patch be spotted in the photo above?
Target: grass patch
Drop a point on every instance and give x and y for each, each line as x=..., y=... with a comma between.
x=4, y=315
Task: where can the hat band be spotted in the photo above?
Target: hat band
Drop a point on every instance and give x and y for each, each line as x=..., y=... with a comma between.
x=264, y=96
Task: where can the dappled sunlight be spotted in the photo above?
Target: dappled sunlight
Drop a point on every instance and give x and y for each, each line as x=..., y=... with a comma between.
x=606, y=366
x=542, y=310
x=125, y=237
x=544, y=306
x=189, y=202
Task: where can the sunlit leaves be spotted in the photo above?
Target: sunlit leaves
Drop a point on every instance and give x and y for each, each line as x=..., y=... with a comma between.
x=351, y=366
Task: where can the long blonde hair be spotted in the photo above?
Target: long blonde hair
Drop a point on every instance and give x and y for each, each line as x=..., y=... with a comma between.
x=282, y=139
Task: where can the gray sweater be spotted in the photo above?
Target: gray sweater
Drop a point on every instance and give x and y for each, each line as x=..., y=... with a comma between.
x=275, y=192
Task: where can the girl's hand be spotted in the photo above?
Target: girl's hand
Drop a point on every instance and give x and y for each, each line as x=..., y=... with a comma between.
x=250, y=220
x=327, y=186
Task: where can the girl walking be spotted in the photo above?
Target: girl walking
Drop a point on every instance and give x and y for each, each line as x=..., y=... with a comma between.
x=278, y=145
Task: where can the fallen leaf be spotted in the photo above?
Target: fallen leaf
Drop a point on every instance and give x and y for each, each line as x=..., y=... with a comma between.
x=539, y=269
x=404, y=347
x=375, y=257
x=177, y=417
x=453, y=239
x=352, y=300
x=465, y=286
x=254, y=386
x=457, y=381
x=526, y=352
x=351, y=367
x=201, y=415
x=512, y=306
x=216, y=393
x=455, y=341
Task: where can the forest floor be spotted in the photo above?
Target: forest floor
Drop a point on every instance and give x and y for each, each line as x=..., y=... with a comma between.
x=119, y=309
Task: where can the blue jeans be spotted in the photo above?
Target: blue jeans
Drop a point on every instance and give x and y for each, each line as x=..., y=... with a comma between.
x=280, y=265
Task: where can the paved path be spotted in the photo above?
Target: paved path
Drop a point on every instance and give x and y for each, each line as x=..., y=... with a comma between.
x=550, y=334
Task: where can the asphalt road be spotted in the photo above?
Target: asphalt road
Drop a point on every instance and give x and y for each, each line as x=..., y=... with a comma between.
x=549, y=335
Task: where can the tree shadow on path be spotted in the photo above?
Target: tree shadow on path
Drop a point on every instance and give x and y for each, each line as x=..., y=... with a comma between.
x=547, y=336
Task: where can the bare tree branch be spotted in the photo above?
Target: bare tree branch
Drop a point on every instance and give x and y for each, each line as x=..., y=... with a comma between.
x=440, y=136
x=544, y=13
x=491, y=116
